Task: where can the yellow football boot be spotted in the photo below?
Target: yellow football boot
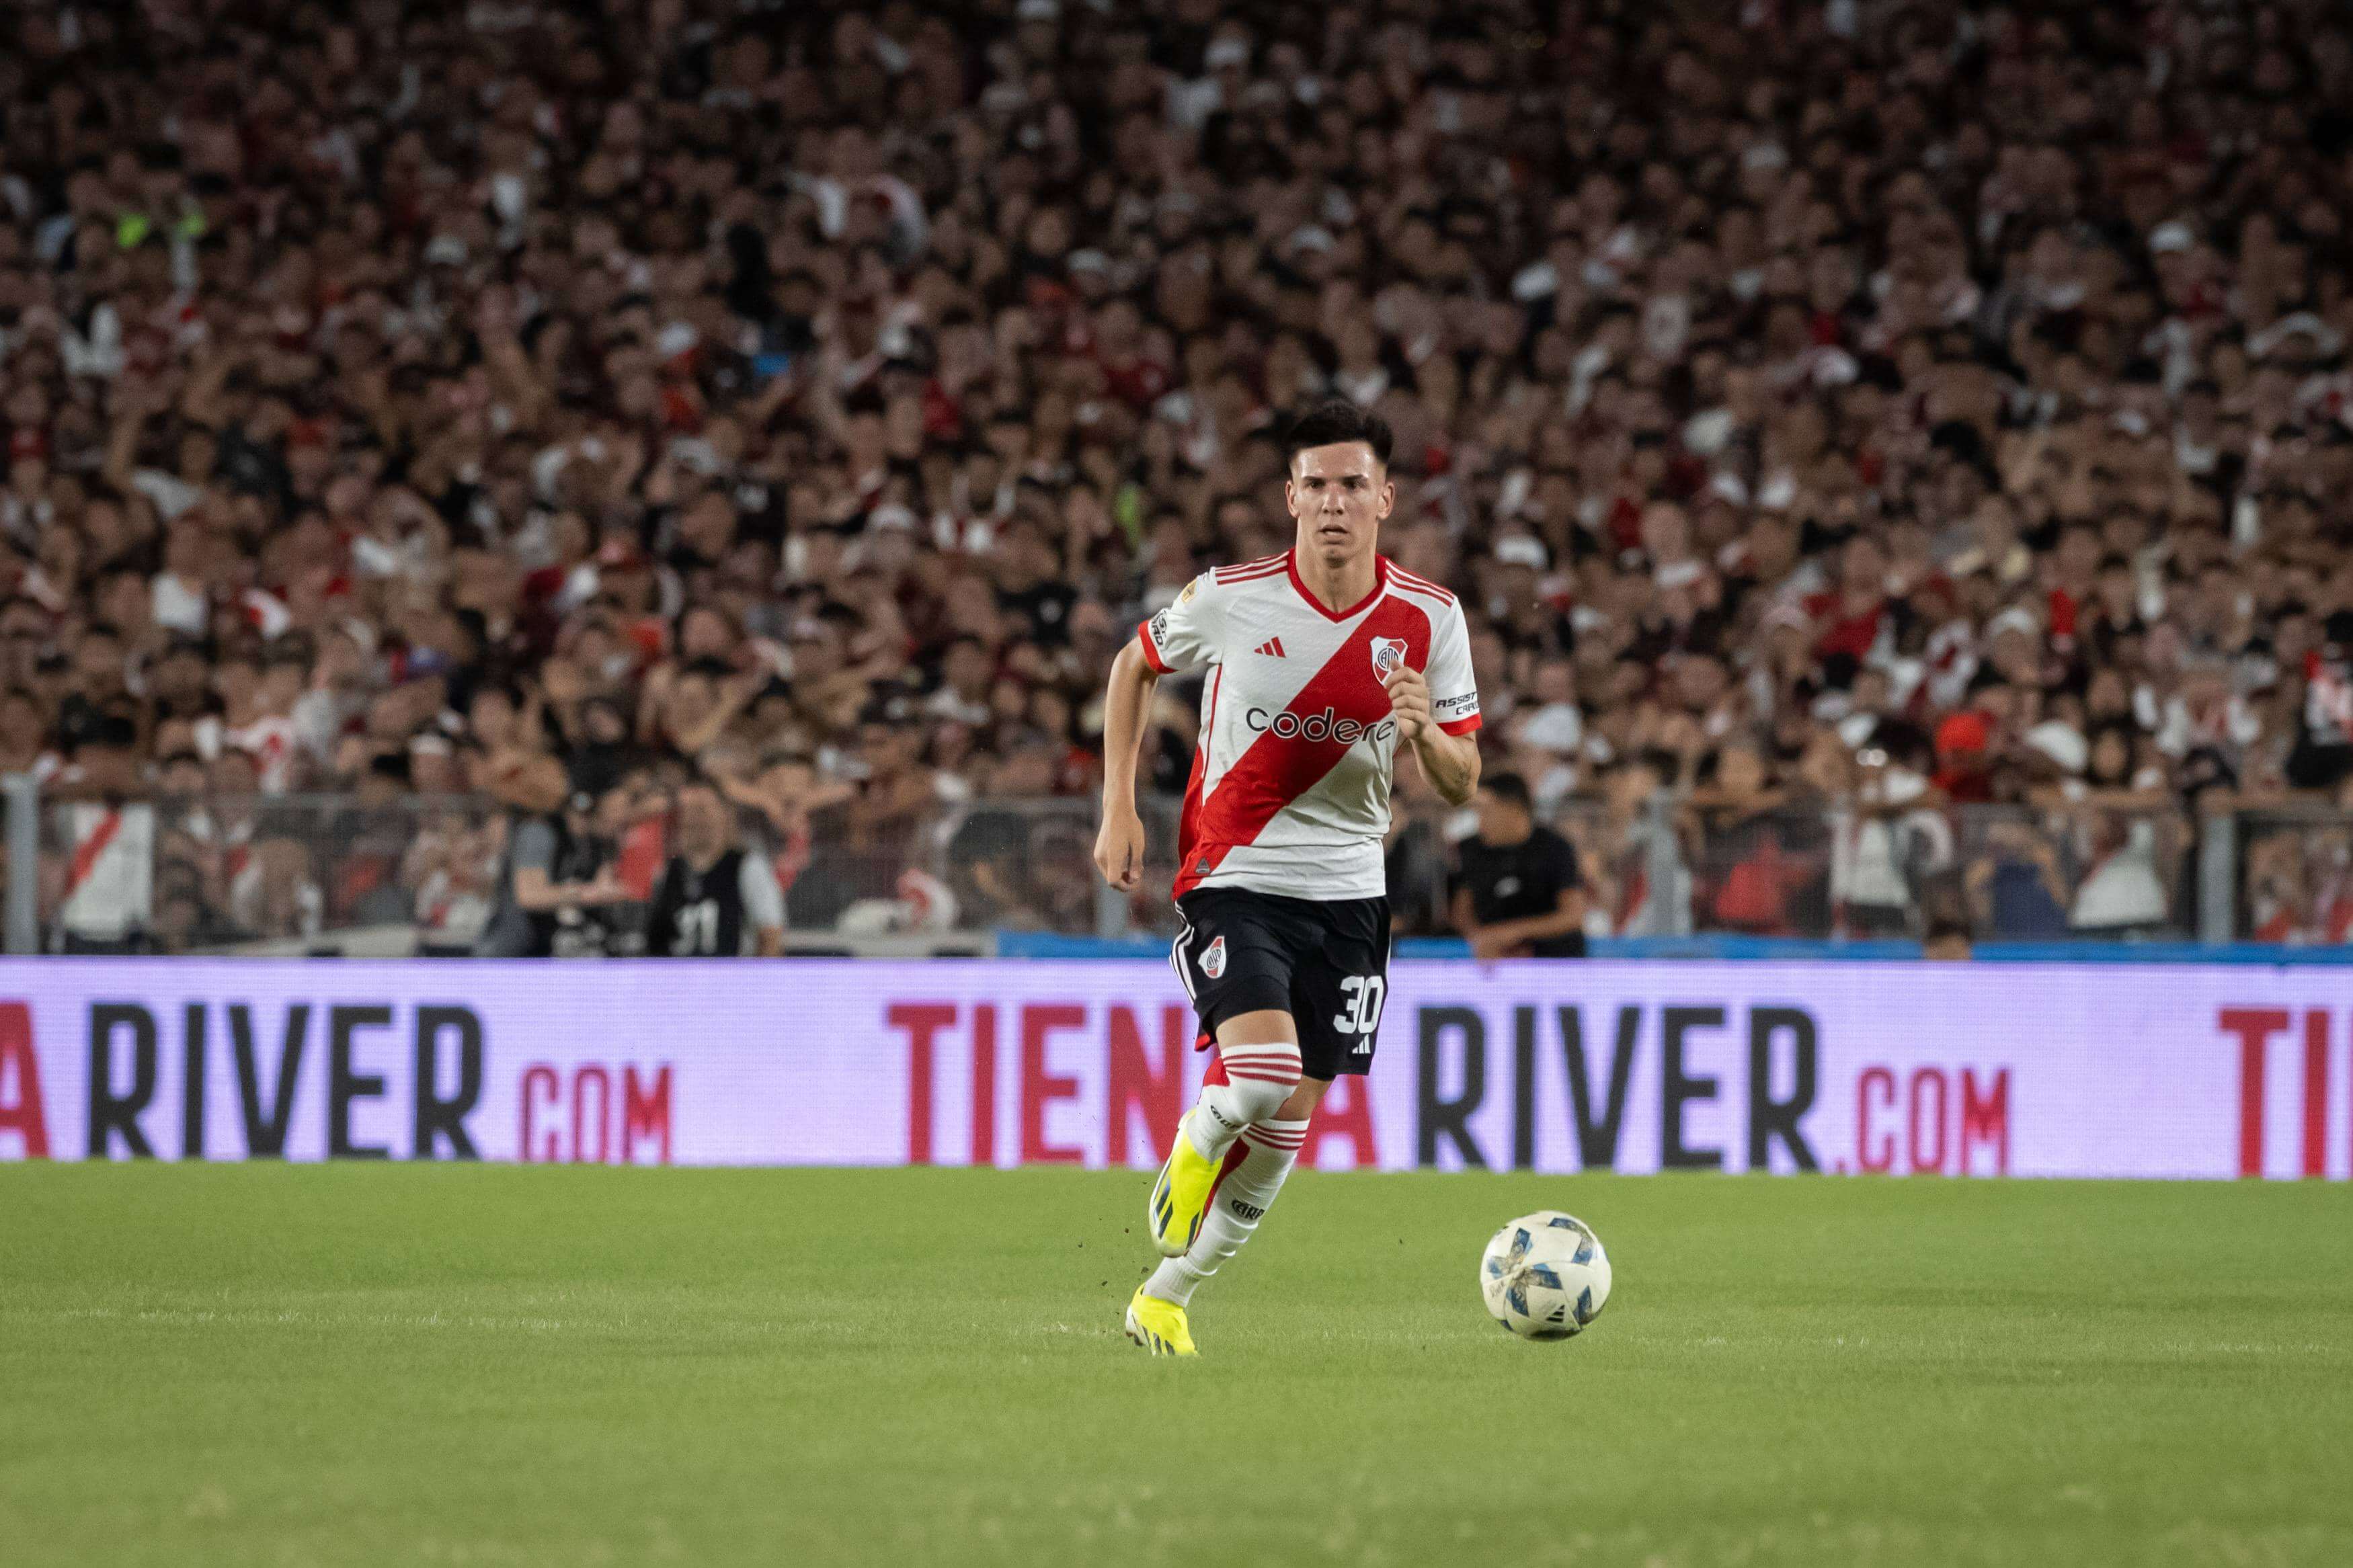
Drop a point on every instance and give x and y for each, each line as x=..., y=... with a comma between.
x=1158, y=1326
x=1180, y=1195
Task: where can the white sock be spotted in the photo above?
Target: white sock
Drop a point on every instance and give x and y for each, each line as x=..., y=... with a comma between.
x=1259, y=1078
x=1242, y=1197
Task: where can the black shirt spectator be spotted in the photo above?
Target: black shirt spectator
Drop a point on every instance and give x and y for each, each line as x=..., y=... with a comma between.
x=557, y=882
x=1518, y=893
x=714, y=899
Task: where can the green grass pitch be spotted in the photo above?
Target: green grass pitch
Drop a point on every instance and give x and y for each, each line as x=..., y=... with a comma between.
x=283, y=1365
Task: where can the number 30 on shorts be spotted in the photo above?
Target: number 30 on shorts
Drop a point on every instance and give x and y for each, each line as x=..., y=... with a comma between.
x=1361, y=996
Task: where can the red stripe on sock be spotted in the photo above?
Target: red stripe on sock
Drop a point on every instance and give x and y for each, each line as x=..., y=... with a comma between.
x=1234, y=1156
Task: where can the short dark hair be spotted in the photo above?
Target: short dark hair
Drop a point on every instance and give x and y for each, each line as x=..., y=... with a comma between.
x=1510, y=789
x=1945, y=927
x=1330, y=424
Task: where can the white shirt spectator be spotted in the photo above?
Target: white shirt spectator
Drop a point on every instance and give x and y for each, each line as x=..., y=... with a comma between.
x=178, y=606
x=109, y=879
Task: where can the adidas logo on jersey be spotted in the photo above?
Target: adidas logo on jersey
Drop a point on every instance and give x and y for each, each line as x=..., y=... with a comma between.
x=1271, y=647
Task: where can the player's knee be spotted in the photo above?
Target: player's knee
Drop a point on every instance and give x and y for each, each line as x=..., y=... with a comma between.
x=1304, y=1097
x=1259, y=1099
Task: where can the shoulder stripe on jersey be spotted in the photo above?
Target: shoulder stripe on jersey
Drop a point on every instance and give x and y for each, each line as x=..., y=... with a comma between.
x=1251, y=569
x=1249, y=576
x=1406, y=579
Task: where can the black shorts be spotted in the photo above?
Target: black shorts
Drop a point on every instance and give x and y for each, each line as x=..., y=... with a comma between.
x=1325, y=963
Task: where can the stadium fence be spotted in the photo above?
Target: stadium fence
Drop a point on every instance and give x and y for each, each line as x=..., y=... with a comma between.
x=338, y=874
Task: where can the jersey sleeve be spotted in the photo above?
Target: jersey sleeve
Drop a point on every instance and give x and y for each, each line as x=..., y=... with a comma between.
x=1191, y=632
x=1453, y=694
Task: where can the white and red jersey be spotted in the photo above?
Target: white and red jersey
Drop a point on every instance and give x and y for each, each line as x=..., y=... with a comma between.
x=1290, y=792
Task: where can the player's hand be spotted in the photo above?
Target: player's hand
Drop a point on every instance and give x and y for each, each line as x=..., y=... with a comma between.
x=1408, y=701
x=1119, y=847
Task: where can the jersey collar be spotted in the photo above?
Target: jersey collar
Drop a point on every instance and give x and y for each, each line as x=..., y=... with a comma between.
x=1380, y=582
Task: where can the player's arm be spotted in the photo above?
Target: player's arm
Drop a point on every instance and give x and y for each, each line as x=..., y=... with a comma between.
x=1127, y=697
x=1451, y=762
x=1436, y=711
x=1181, y=636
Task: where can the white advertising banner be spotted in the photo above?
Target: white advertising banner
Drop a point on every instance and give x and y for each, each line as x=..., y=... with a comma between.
x=1957, y=1069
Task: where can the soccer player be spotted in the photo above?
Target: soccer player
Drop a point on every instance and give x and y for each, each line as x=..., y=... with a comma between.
x=1324, y=661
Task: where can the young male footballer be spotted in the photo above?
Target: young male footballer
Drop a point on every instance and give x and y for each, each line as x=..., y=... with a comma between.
x=1323, y=662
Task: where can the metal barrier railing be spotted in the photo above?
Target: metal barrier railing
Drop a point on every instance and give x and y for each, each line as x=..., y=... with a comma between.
x=279, y=872
x=219, y=873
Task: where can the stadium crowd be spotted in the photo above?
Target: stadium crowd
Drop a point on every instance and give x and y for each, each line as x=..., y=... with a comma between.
x=1833, y=413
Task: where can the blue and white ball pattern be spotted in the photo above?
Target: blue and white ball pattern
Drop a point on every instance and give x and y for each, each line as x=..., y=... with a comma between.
x=1545, y=1276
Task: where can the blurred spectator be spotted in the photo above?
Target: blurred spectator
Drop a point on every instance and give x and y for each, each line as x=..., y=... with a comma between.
x=1416, y=859
x=714, y=899
x=2015, y=888
x=1764, y=868
x=666, y=385
x=454, y=869
x=1948, y=940
x=1895, y=840
x=1517, y=893
x=557, y=883
x=106, y=904
x=2126, y=887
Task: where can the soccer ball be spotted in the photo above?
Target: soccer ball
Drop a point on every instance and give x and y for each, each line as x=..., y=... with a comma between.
x=1545, y=1276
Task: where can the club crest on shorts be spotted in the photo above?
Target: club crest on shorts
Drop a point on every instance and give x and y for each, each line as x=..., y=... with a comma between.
x=1389, y=653
x=1213, y=958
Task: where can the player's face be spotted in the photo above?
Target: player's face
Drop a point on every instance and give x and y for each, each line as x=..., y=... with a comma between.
x=1338, y=494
